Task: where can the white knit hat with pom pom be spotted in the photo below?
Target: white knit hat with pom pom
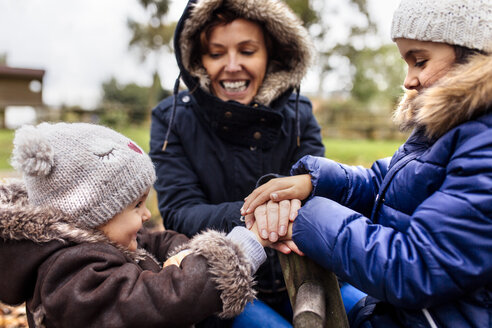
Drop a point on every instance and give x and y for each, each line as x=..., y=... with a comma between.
x=87, y=171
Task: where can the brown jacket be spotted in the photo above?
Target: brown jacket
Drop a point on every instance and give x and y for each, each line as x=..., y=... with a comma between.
x=73, y=277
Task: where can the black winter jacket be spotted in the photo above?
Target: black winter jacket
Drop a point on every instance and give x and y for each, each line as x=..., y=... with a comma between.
x=216, y=150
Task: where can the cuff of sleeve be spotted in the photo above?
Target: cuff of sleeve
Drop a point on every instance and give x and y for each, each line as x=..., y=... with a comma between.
x=252, y=249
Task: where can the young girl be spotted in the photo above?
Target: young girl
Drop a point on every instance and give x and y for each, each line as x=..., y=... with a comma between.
x=70, y=245
x=414, y=232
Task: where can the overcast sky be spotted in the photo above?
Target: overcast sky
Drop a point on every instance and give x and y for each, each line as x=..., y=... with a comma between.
x=82, y=43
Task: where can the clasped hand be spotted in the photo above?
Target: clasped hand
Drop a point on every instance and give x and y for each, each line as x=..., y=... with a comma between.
x=270, y=210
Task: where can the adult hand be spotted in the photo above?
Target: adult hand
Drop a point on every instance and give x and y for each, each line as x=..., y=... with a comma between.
x=278, y=189
x=273, y=218
x=176, y=259
x=284, y=245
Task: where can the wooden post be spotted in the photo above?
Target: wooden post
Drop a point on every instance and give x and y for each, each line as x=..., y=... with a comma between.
x=314, y=293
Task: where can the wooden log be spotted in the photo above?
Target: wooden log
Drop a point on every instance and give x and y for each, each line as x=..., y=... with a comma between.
x=312, y=288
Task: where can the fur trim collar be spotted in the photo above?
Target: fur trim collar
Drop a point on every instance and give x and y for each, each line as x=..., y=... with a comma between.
x=21, y=221
x=463, y=94
x=282, y=24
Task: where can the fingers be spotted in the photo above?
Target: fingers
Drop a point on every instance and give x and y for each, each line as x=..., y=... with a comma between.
x=272, y=220
x=249, y=219
x=176, y=259
x=256, y=198
x=278, y=189
x=170, y=261
x=293, y=247
x=284, y=215
x=260, y=217
x=287, y=247
x=281, y=247
x=295, y=205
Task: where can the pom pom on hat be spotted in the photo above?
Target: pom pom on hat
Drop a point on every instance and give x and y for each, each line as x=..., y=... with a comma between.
x=33, y=154
x=86, y=171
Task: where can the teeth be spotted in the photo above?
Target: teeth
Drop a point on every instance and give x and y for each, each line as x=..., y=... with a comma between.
x=236, y=86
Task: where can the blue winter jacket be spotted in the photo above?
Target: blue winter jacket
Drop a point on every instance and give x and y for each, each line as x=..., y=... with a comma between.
x=414, y=232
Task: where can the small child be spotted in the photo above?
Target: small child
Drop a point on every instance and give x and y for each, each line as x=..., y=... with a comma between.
x=415, y=231
x=70, y=245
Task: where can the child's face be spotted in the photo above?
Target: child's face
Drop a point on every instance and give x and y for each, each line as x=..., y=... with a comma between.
x=427, y=62
x=123, y=227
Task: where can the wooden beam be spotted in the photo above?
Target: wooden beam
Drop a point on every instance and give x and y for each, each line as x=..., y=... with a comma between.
x=314, y=293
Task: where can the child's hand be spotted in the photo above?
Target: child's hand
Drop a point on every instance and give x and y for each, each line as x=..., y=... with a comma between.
x=176, y=259
x=294, y=187
x=273, y=218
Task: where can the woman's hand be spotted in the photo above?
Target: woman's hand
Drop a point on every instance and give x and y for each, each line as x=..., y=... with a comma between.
x=278, y=189
x=273, y=218
x=284, y=245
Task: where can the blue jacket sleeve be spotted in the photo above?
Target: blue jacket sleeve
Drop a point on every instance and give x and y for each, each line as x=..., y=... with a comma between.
x=443, y=254
x=182, y=203
x=353, y=186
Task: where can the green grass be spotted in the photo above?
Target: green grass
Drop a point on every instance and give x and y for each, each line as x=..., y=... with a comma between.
x=359, y=152
x=6, y=137
x=141, y=135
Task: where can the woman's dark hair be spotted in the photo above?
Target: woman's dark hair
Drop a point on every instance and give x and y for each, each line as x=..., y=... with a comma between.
x=463, y=53
x=224, y=17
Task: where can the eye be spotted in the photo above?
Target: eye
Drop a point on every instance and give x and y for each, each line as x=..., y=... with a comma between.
x=105, y=155
x=420, y=63
x=248, y=52
x=139, y=203
x=214, y=55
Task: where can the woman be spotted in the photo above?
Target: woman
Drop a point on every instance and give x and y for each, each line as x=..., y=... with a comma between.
x=414, y=232
x=238, y=120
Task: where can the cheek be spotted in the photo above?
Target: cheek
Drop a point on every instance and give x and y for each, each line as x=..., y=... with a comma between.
x=210, y=66
x=436, y=73
x=260, y=66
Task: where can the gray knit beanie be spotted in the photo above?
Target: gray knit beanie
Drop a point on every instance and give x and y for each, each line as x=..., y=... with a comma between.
x=465, y=23
x=87, y=171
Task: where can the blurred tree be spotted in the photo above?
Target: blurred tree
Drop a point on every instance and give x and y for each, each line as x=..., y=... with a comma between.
x=128, y=103
x=304, y=10
x=338, y=48
x=152, y=37
x=378, y=75
x=3, y=59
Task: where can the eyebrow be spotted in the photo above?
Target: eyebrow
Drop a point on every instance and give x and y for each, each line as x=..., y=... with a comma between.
x=413, y=52
x=240, y=43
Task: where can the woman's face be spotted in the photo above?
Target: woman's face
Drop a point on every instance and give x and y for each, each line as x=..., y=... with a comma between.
x=236, y=60
x=427, y=62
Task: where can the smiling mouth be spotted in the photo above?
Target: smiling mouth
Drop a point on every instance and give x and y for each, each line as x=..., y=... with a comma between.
x=234, y=86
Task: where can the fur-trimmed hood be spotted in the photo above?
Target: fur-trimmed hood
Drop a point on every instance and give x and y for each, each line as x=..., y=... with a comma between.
x=279, y=21
x=463, y=94
x=39, y=247
x=21, y=221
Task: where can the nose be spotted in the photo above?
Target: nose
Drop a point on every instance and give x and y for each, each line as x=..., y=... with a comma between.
x=411, y=80
x=233, y=64
x=146, y=214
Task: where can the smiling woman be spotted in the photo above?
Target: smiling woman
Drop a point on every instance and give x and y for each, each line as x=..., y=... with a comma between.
x=235, y=57
x=239, y=120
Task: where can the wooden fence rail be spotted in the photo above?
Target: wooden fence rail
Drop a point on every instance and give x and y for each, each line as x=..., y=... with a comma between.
x=314, y=293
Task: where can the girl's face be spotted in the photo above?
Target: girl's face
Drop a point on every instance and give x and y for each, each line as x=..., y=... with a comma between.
x=236, y=60
x=123, y=227
x=427, y=62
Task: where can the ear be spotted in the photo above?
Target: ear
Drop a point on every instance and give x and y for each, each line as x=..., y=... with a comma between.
x=32, y=154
